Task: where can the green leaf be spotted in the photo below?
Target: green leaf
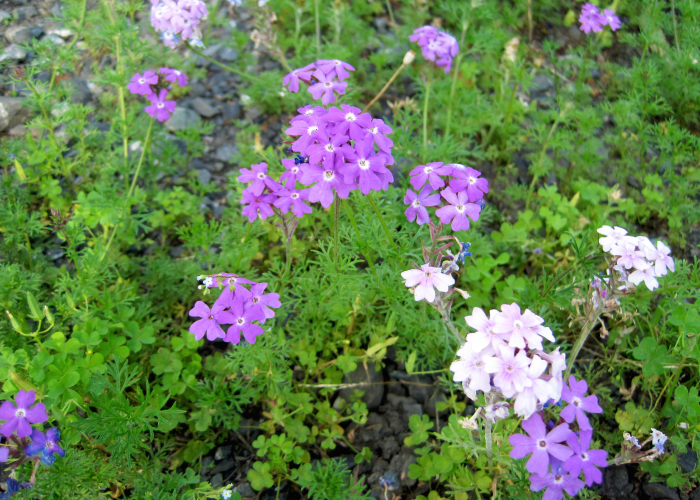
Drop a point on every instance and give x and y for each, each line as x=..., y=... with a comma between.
x=654, y=356
x=36, y=312
x=138, y=337
x=411, y=362
x=260, y=477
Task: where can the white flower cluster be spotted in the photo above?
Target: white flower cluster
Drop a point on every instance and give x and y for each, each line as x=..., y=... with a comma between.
x=637, y=258
x=505, y=354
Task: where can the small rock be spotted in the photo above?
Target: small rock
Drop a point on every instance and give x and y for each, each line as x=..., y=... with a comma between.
x=253, y=113
x=12, y=113
x=4, y=15
x=181, y=119
x=228, y=54
x=204, y=176
x=374, y=393
x=22, y=13
x=217, y=481
x=660, y=491
x=13, y=52
x=57, y=10
x=245, y=490
x=204, y=107
x=695, y=494
x=19, y=34
x=55, y=39
x=37, y=31
x=226, y=152
x=540, y=84
x=224, y=465
x=55, y=253
x=210, y=51
x=688, y=461
x=81, y=91
x=232, y=111
x=17, y=131
x=62, y=32
x=223, y=452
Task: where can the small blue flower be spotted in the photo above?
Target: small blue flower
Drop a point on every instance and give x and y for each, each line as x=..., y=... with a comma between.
x=301, y=159
x=13, y=486
x=463, y=251
x=390, y=481
x=46, y=444
x=196, y=42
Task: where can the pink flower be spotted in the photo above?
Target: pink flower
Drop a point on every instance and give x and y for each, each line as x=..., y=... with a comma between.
x=485, y=335
x=611, y=19
x=349, y=120
x=417, y=203
x=612, y=237
x=425, y=280
x=173, y=75
x=658, y=257
x=540, y=444
x=647, y=275
x=522, y=327
x=293, y=200
x=326, y=178
x=259, y=178
x=364, y=166
x=536, y=390
x=257, y=205
x=264, y=301
x=470, y=369
x=584, y=459
x=307, y=129
x=510, y=370
x=211, y=319
x=555, y=482
x=325, y=87
x=468, y=180
x=457, y=210
x=242, y=320
x=431, y=172
x=628, y=254
x=330, y=147
x=336, y=66
x=142, y=84
x=377, y=130
x=292, y=79
x=292, y=175
x=21, y=416
x=160, y=108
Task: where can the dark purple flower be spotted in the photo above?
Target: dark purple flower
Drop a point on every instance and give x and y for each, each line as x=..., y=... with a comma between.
x=173, y=75
x=259, y=178
x=292, y=175
x=141, y=84
x=578, y=404
x=431, y=172
x=365, y=165
x=242, y=319
x=21, y=417
x=211, y=319
x=257, y=205
x=326, y=179
x=417, y=202
x=555, y=482
x=325, y=87
x=468, y=180
x=540, y=444
x=46, y=444
x=160, y=108
x=293, y=199
x=377, y=130
x=340, y=68
x=585, y=459
x=349, y=120
x=263, y=301
x=292, y=79
x=457, y=210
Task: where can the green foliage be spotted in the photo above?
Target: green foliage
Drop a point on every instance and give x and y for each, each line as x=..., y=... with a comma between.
x=329, y=480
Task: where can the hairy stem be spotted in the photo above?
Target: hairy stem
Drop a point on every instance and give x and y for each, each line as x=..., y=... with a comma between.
x=585, y=331
x=425, y=115
x=675, y=24
x=318, y=29
x=336, y=238
x=465, y=25
x=381, y=219
x=391, y=13
x=122, y=107
x=212, y=18
x=489, y=444
x=363, y=247
x=381, y=92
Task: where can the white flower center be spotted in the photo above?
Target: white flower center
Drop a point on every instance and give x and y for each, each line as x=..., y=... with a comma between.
x=542, y=444
x=432, y=45
x=427, y=170
x=509, y=368
x=363, y=164
x=160, y=105
x=576, y=402
x=327, y=84
x=479, y=364
x=518, y=324
x=428, y=274
x=584, y=457
x=294, y=196
x=240, y=321
x=460, y=208
x=20, y=413
x=312, y=129
x=256, y=300
x=336, y=62
x=177, y=72
x=350, y=117
x=328, y=175
x=330, y=148
x=416, y=203
x=472, y=180
x=373, y=130
x=142, y=80
x=261, y=176
x=309, y=112
x=558, y=478
x=295, y=170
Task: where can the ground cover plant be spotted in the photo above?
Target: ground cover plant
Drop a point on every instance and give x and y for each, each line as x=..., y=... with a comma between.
x=340, y=249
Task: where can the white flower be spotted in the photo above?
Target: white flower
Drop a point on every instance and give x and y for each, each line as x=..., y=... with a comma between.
x=612, y=237
x=471, y=369
x=658, y=256
x=628, y=254
x=647, y=275
x=424, y=279
x=658, y=439
x=208, y=281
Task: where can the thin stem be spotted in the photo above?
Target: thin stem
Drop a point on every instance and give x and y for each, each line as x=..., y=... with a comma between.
x=288, y=249
x=585, y=331
x=336, y=237
x=224, y=66
x=489, y=444
x=318, y=29
x=391, y=12
x=663, y=391
x=381, y=92
x=675, y=24
x=351, y=216
x=79, y=28
x=425, y=115
x=122, y=107
x=529, y=20
x=465, y=25
x=381, y=219
x=205, y=39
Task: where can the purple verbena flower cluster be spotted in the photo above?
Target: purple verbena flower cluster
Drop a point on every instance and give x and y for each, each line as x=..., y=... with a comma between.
x=328, y=75
x=436, y=46
x=637, y=259
x=463, y=196
x=506, y=355
x=178, y=19
x=27, y=442
x=336, y=153
x=592, y=20
x=155, y=87
x=237, y=306
x=554, y=465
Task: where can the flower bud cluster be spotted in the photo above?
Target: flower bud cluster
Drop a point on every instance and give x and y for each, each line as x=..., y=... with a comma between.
x=436, y=46
x=177, y=20
x=155, y=87
x=328, y=75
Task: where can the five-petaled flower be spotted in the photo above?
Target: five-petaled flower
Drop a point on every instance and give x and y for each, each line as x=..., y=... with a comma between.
x=20, y=416
x=578, y=404
x=425, y=280
x=46, y=444
x=540, y=444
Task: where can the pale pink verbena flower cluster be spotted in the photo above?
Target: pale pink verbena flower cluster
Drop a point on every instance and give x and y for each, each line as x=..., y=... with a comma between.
x=336, y=153
x=463, y=192
x=324, y=78
x=177, y=20
x=436, y=46
x=592, y=20
x=245, y=309
x=506, y=355
x=636, y=257
x=155, y=87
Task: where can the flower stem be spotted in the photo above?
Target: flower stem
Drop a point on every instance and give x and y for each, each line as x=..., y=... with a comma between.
x=336, y=238
x=381, y=219
x=381, y=92
x=425, y=115
x=318, y=29
x=489, y=444
x=288, y=248
x=205, y=39
x=465, y=25
x=585, y=331
x=391, y=12
x=224, y=66
x=675, y=24
x=364, y=248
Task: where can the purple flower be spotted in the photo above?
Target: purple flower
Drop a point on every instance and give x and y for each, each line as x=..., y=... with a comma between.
x=257, y=205
x=468, y=179
x=591, y=19
x=263, y=301
x=425, y=280
x=173, y=75
x=325, y=87
x=578, y=404
x=611, y=19
x=326, y=179
x=585, y=459
x=340, y=68
x=363, y=163
x=511, y=374
x=242, y=318
x=555, y=482
x=46, y=444
x=436, y=44
x=349, y=120
x=418, y=202
x=431, y=172
x=4, y=454
x=331, y=147
x=141, y=84
x=259, y=178
x=377, y=128
x=293, y=199
x=522, y=329
x=21, y=417
x=307, y=129
x=540, y=444
x=211, y=319
x=292, y=175
x=424, y=35
x=292, y=79
x=160, y=108
x=457, y=210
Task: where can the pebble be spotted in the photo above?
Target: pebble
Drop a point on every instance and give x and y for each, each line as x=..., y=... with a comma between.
x=244, y=490
x=4, y=15
x=660, y=491
x=13, y=52
x=223, y=452
x=12, y=113
x=62, y=32
x=227, y=54
x=181, y=119
x=226, y=152
x=209, y=51
x=688, y=461
x=224, y=465
x=217, y=481
x=204, y=107
x=55, y=39
x=22, y=13
x=19, y=34
x=232, y=111
x=373, y=394
x=204, y=176
x=81, y=91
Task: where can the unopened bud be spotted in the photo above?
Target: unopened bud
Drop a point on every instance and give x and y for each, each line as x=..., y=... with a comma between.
x=48, y=315
x=14, y=322
x=409, y=57
x=683, y=425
